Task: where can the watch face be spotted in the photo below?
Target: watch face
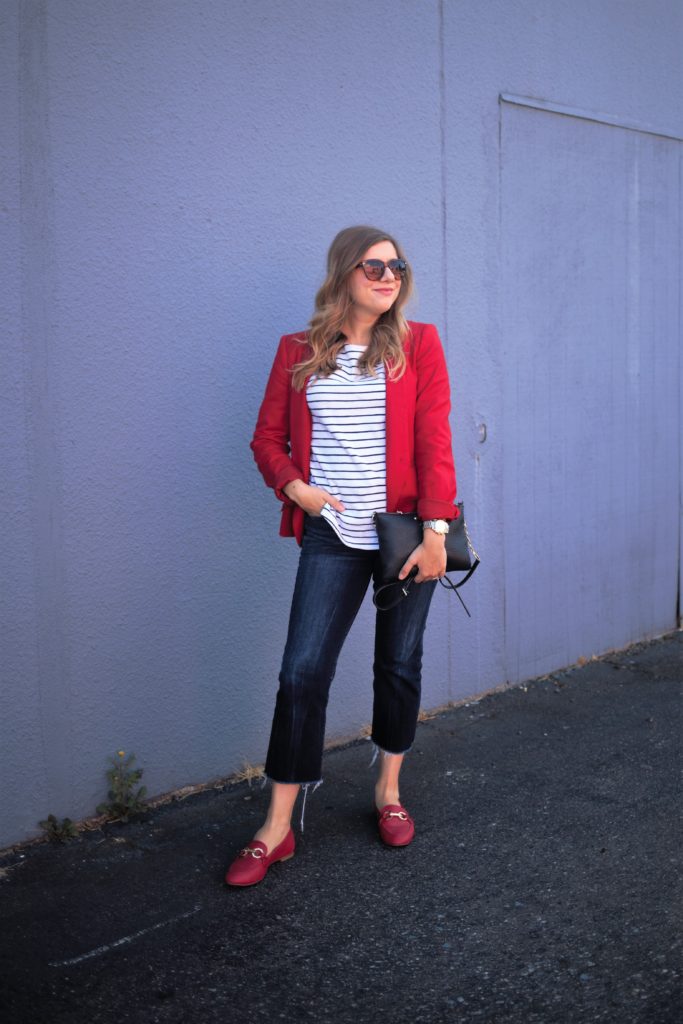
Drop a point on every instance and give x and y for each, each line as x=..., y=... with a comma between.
x=438, y=525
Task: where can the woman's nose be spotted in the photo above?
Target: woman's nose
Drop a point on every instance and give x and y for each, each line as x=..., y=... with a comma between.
x=388, y=270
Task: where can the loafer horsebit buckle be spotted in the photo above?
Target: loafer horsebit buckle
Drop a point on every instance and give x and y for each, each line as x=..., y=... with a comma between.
x=255, y=853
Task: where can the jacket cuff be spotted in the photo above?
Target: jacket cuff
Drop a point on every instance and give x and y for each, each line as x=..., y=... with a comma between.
x=291, y=474
x=428, y=508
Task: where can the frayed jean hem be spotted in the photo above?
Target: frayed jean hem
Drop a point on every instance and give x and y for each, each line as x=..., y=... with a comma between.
x=304, y=786
x=386, y=753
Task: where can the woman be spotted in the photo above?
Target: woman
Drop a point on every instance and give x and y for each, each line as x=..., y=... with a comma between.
x=354, y=420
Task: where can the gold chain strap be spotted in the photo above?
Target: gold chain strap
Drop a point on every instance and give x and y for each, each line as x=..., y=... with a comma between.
x=470, y=545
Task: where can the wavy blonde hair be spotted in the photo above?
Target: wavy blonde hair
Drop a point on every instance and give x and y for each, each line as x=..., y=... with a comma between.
x=332, y=305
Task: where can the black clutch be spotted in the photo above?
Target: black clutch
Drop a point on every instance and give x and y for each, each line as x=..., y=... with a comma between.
x=399, y=534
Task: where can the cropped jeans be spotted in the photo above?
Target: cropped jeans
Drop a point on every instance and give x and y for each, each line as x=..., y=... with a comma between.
x=331, y=583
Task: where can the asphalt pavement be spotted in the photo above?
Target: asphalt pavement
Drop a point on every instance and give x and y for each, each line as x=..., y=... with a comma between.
x=543, y=885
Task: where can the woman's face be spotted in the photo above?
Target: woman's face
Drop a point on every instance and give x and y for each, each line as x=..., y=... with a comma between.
x=375, y=297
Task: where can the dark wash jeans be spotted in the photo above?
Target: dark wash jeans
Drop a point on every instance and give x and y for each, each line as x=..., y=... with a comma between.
x=331, y=582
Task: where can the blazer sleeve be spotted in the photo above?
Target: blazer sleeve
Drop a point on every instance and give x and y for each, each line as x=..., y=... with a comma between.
x=433, y=449
x=271, y=441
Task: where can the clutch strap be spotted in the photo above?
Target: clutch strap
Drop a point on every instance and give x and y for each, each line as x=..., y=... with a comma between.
x=404, y=586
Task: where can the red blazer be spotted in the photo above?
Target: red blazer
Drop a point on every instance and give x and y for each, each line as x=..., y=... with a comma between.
x=419, y=459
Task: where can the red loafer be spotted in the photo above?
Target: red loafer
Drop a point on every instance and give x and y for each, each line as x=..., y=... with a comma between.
x=396, y=827
x=251, y=864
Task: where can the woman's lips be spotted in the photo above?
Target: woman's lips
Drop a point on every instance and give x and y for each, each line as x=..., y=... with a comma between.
x=385, y=291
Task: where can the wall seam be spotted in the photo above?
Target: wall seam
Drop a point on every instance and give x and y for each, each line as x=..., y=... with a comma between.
x=42, y=455
x=444, y=266
x=679, y=591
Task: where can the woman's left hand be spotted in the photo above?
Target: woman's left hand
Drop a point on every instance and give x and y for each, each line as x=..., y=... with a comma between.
x=429, y=557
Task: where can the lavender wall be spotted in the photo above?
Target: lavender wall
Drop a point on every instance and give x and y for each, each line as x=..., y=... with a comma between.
x=592, y=386
x=174, y=174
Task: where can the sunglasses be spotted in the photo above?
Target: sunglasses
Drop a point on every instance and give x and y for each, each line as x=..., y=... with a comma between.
x=374, y=269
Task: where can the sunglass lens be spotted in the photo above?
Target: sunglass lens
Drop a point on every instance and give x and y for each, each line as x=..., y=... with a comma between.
x=397, y=267
x=374, y=269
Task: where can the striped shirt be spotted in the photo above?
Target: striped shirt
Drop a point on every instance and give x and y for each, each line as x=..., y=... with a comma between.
x=348, y=446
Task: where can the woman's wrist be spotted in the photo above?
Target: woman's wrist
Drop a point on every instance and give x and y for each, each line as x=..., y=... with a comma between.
x=432, y=538
x=291, y=488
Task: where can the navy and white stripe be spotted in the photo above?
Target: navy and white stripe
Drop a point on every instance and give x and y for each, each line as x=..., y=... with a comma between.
x=348, y=450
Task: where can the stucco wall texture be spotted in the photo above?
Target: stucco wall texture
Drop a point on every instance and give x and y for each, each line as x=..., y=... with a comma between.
x=173, y=174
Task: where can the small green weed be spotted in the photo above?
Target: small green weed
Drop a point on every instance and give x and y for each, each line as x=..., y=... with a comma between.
x=123, y=801
x=59, y=832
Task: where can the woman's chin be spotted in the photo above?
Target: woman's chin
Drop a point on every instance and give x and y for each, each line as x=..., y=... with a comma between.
x=379, y=308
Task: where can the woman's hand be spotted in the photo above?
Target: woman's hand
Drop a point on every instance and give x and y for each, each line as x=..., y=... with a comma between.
x=311, y=499
x=429, y=557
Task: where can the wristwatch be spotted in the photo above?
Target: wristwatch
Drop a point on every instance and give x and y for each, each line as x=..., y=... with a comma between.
x=437, y=525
